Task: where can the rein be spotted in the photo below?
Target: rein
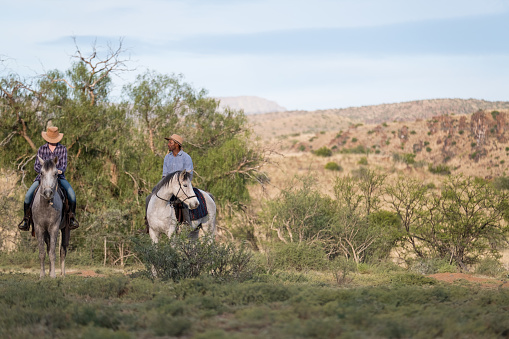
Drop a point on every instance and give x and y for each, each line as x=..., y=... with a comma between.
x=180, y=189
x=54, y=189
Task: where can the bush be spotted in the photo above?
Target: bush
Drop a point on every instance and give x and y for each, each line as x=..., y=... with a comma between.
x=181, y=258
x=332, y=166
x=489, y=266
x=363, y=161
x=323, y=152
x=501, y=183
x=432, y=266
x=439, y=169
x=298, y=256
x=341, y=267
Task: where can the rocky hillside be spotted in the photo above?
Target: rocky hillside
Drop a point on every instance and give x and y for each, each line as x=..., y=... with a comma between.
x=420, y=109
x=290, y=122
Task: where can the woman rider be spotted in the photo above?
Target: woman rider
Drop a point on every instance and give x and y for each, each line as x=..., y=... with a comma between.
x=51, y=150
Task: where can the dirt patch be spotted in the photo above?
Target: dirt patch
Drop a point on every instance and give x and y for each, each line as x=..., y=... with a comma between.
x=483, y=281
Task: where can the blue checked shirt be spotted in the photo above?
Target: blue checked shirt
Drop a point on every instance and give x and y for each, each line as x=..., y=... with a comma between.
x=177, y=163
x=45, y=153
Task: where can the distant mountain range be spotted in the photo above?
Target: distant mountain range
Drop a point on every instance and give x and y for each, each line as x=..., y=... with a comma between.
x=250, y=104
x=280, y=123
x=403, y=111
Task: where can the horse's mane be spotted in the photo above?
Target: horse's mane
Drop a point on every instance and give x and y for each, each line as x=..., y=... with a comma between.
x=166, y=180
x=48, y=164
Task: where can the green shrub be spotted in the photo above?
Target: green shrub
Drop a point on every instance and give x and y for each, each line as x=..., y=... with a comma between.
x=332, y=166
x=501, y=183
x=428, y=149
x=323, y=152
x=490, y=266
x=298, y=256
x=182, y=258
x=363, y=161
x=408, y=158
x=412, y=279
x=439, y=169
x=359, y=149
x=432, y=266
x=340, y=268
x=354, y=139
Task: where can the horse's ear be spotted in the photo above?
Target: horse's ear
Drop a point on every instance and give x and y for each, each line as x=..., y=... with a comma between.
x=183, y=175
x=55, y=160
x=41, y=161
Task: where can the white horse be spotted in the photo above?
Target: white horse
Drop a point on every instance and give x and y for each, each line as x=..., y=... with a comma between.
x=161, y=216
x=48, y=218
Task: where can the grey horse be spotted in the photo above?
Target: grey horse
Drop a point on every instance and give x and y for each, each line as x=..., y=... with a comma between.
x=48, y=218
x=161, y=216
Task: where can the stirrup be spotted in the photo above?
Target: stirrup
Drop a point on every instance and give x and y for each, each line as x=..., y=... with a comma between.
x=73, y=223
x=24, y=225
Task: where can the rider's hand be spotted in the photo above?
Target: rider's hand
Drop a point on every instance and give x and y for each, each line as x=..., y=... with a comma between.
x=59, y=172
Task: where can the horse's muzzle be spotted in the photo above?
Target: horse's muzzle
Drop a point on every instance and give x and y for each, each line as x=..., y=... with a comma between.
x=193, y=204
x=48, y=194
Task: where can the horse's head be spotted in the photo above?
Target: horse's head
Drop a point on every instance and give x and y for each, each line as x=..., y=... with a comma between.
x=49, y=177
x=185, y=191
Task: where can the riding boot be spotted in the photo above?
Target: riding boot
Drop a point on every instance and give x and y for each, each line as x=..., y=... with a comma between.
x=73, y=223
x=24, y=225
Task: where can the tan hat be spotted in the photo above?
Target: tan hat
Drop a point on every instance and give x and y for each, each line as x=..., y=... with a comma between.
x=177, y=138
x=52, y=135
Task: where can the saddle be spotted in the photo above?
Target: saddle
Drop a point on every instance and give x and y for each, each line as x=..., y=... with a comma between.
x=65, y=205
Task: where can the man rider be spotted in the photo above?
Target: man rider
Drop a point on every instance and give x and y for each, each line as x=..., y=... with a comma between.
x=175, y=160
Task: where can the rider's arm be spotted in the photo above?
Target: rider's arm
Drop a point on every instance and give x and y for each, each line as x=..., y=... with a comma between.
x=62, y=160
x=38, y=165
x=166, y=166
x=188, y=165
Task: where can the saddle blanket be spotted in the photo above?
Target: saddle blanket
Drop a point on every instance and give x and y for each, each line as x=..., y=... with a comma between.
x=201, y=211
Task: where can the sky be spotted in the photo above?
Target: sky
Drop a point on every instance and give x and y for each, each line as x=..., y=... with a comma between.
x=304, y=55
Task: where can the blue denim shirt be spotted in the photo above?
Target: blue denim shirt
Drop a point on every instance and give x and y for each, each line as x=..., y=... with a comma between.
x=177, y=163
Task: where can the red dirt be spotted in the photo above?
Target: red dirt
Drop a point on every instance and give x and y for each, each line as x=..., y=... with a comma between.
x=485, y=282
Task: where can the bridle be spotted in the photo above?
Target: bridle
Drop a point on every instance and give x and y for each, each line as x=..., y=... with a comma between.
x=54, y=188
x=180, y=189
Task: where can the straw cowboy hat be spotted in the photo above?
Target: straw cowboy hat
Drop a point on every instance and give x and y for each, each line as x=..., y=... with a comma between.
x=177, y=138
x=52, y=135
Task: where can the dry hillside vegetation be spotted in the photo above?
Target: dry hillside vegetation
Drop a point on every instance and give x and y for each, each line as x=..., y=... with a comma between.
x=475, y=144
x=273, y=125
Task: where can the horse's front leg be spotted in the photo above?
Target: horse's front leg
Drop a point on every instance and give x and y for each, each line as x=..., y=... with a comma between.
x=39, y=233
x=155, y=239
x=52, y=252
x=172, y=227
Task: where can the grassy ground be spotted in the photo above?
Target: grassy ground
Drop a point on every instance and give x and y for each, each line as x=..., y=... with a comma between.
x=377, y=302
